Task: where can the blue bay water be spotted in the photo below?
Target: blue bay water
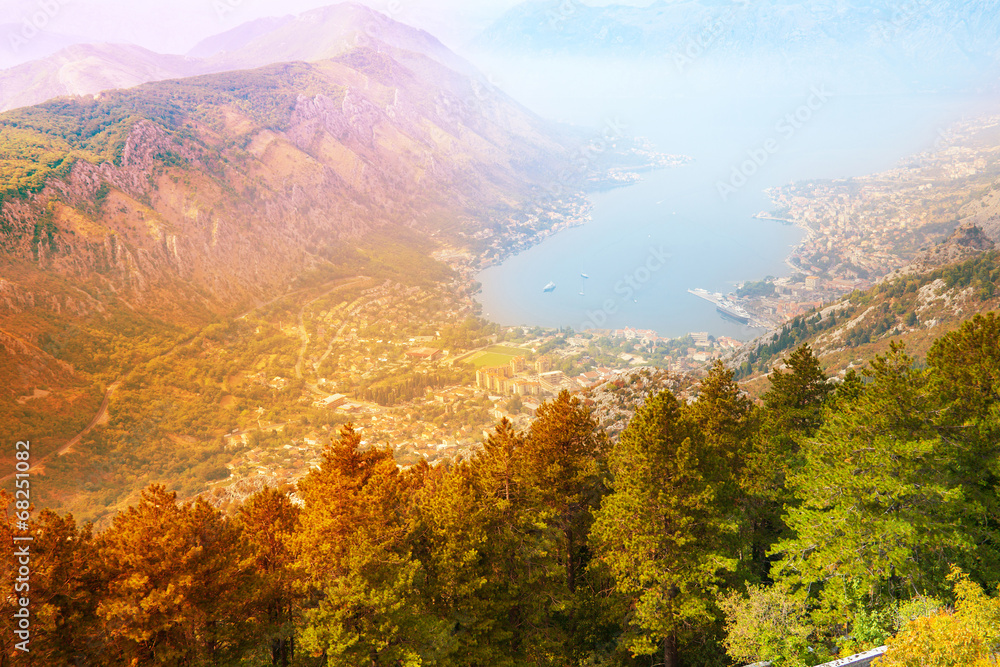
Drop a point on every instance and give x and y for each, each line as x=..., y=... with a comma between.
x=645, y=247
x=649, y=243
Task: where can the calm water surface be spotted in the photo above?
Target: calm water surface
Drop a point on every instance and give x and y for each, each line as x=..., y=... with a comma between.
x=650, y=242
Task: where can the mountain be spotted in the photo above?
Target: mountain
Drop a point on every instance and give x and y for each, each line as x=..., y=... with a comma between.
x=942, y=288
x=86, y=69
x=861, y=43
x=230, y=182
x=320, y=34
x=984, y=212
x=238, y=37
x=22, y=42
x=130, y=219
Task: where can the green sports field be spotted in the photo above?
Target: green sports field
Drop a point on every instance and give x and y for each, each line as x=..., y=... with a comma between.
x=498, y=355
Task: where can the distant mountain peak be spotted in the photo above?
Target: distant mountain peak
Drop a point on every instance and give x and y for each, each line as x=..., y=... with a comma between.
x=318, y=34
x=238, y=37
x=220, y=188
x=867, y=45
x=85, y=69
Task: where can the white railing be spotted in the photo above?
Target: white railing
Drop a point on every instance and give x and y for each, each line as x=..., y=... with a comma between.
x=856, y=660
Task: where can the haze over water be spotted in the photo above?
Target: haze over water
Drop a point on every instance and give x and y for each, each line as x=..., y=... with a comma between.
x=709, y=241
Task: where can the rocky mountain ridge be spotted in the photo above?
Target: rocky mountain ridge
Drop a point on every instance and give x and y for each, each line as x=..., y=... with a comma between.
x=965, y=242
x=83, y=69
x=315, y=35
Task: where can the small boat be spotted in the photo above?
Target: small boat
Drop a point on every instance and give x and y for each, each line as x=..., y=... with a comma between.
x=548, y=288
x=584, y=275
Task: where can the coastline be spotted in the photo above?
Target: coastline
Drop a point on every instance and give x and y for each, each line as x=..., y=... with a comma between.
x=573, y=209
x=669, y=322
x=809, y=233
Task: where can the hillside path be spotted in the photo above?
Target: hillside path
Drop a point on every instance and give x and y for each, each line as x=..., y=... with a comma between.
x=102, y=411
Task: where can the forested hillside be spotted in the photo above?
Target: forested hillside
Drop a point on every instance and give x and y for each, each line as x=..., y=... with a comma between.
x=222, y=189
x=832, y=516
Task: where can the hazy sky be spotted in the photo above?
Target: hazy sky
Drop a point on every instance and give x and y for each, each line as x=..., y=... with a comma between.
x=174, y=26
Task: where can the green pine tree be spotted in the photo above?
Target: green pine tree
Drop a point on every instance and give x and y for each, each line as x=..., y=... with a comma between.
x=877, y=512
x=662, y=531
x=177, y=588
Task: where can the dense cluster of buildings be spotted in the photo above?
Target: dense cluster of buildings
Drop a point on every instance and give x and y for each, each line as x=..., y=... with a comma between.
x=523, y=229
x=517, y=378
x=644, y=336
x=860, y=229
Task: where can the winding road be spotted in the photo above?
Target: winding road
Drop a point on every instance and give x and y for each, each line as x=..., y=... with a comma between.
x=304, y=335
x=98, y=418
x=102, y=412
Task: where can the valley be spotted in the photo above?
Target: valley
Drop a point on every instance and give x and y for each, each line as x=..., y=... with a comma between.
x=239, y=263
x=331, y=350
x=252, y=402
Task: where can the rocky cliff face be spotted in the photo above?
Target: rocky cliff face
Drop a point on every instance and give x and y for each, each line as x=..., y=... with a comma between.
x=966, y=241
